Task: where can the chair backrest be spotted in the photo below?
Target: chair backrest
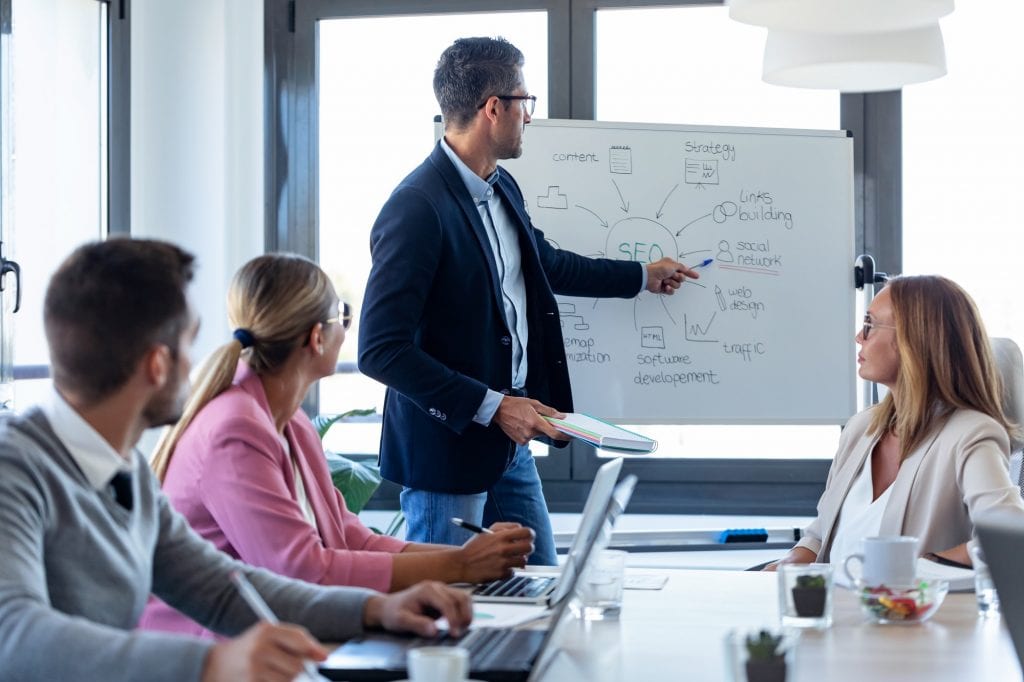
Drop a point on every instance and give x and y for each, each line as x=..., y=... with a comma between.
x=1010, y=364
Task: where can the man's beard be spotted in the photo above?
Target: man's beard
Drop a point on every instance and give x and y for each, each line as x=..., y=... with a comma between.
x=166, y=407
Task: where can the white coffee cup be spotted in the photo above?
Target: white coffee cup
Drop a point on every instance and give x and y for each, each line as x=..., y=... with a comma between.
x=438, y=664
x=890, y=561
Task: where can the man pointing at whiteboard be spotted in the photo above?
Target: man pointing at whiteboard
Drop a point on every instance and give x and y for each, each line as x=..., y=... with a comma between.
x=460, y=320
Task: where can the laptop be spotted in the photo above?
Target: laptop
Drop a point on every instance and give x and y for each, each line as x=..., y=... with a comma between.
x=495, y=654
x=538, y=588
x=1002, y=541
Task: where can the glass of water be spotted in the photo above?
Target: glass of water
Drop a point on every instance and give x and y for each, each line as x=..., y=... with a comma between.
x=984, y=588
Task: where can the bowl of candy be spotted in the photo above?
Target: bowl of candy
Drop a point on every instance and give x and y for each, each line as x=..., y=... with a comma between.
x=902, y=605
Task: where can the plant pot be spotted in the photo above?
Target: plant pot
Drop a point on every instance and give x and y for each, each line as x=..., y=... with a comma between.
x=809, y=602
x=766, y=671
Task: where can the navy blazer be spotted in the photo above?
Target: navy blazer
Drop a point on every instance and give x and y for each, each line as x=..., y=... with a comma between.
x=433, y=328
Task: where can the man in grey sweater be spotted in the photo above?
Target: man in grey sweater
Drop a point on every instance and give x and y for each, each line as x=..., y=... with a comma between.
x=85, y=533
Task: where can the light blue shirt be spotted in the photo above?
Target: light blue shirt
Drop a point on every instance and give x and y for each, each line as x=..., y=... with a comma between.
x=504, y=240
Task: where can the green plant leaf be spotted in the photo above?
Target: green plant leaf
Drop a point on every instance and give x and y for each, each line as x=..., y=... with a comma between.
x=323, y=423
x=397, y=521
x=357, y=482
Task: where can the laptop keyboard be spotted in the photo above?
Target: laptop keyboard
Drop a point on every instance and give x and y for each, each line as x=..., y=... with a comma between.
x=486, y=646
x=516, y=586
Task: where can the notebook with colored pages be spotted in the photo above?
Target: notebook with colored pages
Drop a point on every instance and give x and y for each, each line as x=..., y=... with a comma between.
x=601, y=434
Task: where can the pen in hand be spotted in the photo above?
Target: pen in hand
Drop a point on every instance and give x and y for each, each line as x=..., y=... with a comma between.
x=703, y=264
x=263, y=612
x=472, y=527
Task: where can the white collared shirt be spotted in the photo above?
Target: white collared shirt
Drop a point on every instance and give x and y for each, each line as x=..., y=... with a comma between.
x=97, y=459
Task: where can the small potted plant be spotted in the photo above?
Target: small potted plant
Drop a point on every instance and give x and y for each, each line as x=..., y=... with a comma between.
x=766, y=661
x=809, y=596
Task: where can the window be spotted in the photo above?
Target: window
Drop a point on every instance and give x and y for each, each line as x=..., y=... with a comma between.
x=603, y=59
x=695, y=65
x=376, y=125
x=961, y=163
x=55, y=194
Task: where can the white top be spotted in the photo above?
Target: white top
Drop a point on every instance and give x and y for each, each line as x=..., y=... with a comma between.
x=97, y=459
x=300, y=487
x=860, y=517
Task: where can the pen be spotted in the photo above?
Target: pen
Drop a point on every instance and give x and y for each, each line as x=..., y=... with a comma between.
x=256, y=603
x=470, y=526
x=703, y=264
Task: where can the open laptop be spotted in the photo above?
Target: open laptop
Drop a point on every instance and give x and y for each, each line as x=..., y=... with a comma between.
x=495, y=654
x=527, y=587
x=1002, y=541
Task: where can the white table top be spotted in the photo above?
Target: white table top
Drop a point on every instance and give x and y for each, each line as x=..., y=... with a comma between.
x=677, y=633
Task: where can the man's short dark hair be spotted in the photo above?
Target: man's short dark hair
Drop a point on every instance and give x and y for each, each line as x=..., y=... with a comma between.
x=107, y=305
x=470, y=71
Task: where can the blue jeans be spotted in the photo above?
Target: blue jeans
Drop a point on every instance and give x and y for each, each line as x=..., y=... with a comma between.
x=516, y=497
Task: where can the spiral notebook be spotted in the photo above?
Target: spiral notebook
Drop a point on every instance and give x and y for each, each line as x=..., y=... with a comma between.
x=602, y=434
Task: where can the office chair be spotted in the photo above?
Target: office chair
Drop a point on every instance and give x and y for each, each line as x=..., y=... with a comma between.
x=1010, y=364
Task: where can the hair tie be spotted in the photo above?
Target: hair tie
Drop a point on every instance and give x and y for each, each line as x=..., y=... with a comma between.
x=244, y=337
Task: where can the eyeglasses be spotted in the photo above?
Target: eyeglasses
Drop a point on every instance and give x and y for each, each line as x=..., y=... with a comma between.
x=529, y=102
x=345, y=318
x=865, y=330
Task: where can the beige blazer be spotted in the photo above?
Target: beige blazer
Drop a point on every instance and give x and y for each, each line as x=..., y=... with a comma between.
x=957, y=474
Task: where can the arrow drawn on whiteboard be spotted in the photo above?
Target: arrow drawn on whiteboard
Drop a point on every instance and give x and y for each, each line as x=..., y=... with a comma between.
x=691, y=223
x=625, y=204
x=661, y=210
x=662, y=299
x=604, y=223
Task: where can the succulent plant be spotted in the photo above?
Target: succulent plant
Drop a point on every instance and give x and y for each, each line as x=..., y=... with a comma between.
x=816, y=582
x=764, y=646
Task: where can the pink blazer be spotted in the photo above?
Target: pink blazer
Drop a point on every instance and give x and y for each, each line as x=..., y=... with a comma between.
x=232, y=479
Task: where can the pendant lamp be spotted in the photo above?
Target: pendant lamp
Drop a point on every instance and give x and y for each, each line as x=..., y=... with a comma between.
x=839, y=16
x=854, y=62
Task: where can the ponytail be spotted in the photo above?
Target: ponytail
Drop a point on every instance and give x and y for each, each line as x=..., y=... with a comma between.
x=214, y=378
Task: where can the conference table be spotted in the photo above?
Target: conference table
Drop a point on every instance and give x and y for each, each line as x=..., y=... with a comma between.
x=677, y=633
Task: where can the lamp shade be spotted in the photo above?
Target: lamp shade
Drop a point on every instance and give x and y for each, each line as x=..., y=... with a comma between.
x=839, y=16
x=861, y=62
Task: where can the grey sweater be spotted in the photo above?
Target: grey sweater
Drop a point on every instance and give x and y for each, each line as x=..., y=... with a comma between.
x=76, y=570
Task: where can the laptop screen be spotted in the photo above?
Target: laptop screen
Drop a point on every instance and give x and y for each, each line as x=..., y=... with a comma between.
x=615, y=506
x=592, y=521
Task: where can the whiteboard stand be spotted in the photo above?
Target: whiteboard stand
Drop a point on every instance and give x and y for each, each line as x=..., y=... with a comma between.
x=865, y=277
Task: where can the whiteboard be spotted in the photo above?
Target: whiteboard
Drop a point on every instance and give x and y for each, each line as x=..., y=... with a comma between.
x=766, y=334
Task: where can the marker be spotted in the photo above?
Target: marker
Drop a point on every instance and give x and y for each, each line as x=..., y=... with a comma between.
x=703, y=264
x=256, y=603
x=470, y=526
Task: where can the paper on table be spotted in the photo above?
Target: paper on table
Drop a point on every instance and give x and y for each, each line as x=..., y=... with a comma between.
x=501, y=615
x=960, y=579
x=602, y=434
x=644, y=582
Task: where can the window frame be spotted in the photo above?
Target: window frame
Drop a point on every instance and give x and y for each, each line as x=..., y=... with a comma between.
x=722, y=486
x=118, y=132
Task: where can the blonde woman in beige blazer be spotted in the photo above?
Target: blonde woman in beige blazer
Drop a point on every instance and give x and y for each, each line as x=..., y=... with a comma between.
x=938, y=444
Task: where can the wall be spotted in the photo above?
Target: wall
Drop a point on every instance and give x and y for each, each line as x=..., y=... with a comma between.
x=197, y=139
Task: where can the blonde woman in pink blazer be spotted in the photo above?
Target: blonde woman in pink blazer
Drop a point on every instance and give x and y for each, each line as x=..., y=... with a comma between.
x=246, y=467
